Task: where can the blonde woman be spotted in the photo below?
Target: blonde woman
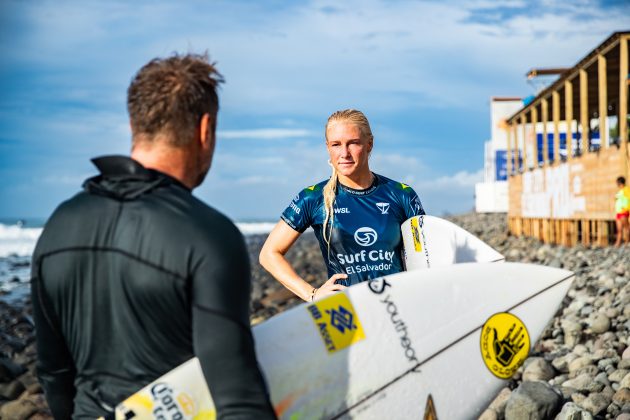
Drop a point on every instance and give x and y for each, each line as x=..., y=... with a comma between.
x=356, y=215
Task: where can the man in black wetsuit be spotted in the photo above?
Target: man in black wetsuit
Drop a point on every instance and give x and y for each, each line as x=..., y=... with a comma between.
x=134, y=275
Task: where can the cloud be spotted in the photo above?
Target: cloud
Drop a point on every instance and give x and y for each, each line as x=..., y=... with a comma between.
x=422, y=72
x=461, y=179
x=264, y=133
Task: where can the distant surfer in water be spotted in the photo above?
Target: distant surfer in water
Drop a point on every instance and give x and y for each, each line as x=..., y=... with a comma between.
x=134, y=275
x=356, y=215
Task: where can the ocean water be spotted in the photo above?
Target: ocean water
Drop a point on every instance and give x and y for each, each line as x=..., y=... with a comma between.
x=17, y=242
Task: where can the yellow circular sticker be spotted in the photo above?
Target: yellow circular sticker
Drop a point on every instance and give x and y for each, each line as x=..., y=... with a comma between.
x=504, y=344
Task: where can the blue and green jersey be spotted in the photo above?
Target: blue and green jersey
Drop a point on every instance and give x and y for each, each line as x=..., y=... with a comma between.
x=366, y=240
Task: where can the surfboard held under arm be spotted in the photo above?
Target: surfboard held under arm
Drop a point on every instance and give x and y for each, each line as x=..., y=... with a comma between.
x=442, y=340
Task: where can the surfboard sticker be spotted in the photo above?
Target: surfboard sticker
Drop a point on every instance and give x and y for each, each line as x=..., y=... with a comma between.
x=165, y=402
x=415, y=230
x=504, y=344
x=337, y=322
x=173, y=397
x=429, y=410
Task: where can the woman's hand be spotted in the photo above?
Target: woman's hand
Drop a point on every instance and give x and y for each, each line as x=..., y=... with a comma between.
x=330, y=287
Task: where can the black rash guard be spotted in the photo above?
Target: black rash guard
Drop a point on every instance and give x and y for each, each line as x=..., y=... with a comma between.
x=132, y=277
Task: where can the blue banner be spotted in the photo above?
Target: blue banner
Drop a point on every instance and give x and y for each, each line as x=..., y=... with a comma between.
x=500, y=164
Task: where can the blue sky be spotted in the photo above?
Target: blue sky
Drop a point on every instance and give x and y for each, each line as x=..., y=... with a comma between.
x=422, y=71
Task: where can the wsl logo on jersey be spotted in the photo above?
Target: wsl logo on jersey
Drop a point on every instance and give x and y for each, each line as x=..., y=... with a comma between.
x=337, y=322
x=365, y=236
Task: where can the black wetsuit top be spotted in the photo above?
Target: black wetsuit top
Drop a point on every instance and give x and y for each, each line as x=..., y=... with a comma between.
x=132, y=277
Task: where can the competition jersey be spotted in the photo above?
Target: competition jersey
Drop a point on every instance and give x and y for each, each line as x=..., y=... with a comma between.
x=366, y=240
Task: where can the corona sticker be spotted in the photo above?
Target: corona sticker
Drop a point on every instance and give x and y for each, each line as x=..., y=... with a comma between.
x=162, y=401
x=337, y=322
x=504, y=344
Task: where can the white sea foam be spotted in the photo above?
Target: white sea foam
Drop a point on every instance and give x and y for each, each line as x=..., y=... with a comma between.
x=255, y=228
x=17, y=240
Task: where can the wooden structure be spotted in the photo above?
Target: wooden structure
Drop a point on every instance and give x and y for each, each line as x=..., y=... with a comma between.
x=567, y=147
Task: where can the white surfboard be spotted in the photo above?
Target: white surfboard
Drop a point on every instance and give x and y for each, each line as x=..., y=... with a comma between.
x=436, y=341
x=430, y=241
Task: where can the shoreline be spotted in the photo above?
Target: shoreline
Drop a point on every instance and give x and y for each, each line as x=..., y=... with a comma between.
x=580, y=364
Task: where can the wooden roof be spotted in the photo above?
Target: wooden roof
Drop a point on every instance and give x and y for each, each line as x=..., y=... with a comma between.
x=589, y=63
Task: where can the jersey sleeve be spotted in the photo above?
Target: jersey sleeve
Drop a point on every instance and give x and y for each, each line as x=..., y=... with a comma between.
x=412, y=204
x=298, y=214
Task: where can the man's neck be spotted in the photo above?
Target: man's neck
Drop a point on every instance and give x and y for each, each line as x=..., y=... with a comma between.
x=170, y=160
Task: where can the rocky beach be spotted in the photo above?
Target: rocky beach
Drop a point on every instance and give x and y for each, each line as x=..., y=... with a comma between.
x=578, y=369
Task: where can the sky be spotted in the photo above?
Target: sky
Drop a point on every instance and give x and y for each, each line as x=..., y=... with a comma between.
x=423, y=72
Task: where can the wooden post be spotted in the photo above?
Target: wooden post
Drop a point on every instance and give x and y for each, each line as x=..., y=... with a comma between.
x=623, y=102
x=545, y=117
x=534, y=122
x=584, y=140
x=524, y=133
x=555, y=97
x=568, y=117
x=603, y=101
x=516, y=149
x=508, y=152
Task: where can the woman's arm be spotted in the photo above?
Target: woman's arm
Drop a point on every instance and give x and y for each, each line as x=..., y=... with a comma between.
x=281, y=238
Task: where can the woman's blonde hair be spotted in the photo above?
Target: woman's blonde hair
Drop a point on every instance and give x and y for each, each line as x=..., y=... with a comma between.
x=349, y=116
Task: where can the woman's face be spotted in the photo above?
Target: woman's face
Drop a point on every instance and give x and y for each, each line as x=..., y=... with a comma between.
x=348, y=150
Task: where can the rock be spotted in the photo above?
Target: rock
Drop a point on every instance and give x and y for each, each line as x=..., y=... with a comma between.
x=590, y=370
x=34, y=389
x=538, y=369
x=622, y=397
x=581, y=383
x=498, y=404
x=579, y=363
x=625, y=382
x=600, y=323
x=595, y=403
x=623, y=416
x=514, y=254
x=18, y=410
x=580, y=350
x=626, y=353
x=572, y=332
x=624, y=364
x=578, y=398
x=618, y=375
x=532, y=400
x=489, y=414
x=620, y=269
x=562, y=363
x=602, y=378
x=572, y=411
x=612, y=312
x=9, y=370
x=605, y=363
x=11, y=390
x=603, y=353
